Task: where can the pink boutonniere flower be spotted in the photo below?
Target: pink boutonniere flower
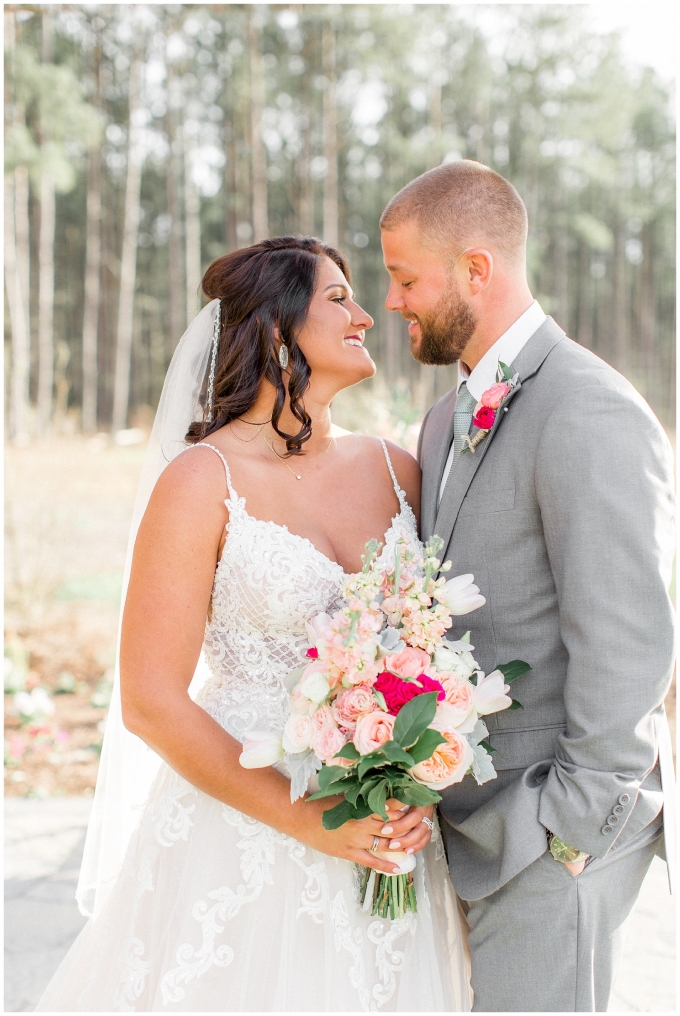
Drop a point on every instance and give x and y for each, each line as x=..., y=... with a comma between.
x=486, y=409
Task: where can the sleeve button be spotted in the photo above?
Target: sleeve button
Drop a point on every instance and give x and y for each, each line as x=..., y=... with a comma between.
x=617, y=809
x=612, y=819
x=606, y=829
x=624, y=798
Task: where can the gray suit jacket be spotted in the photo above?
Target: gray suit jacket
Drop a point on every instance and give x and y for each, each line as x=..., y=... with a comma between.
x=564, y=515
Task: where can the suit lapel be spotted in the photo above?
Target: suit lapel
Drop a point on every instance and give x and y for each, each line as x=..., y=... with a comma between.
x=527, y=362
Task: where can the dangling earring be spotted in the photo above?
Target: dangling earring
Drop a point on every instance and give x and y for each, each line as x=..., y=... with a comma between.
x=283, y=356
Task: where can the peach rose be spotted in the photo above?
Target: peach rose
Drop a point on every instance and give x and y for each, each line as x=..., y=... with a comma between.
x=351, y=704
x=372, y=730
x=409, y=662
x=449, y=763
x=459, y=697
x=327, y=739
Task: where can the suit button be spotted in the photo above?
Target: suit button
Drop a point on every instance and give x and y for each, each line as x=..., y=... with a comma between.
x=624, y=798
x=606, y=829
x=612, y=819
x=618, y=809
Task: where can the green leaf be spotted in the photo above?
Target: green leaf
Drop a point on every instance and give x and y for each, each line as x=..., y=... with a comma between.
x=362, y=810
x=397, y=754
x=375, y=760
x=348, y=752
x=352, y=795
x=506, y=373
x=376, y=799
x=366, y=786
x=417, y=795
x=330, y=774
x=515, y=705
x=333, y=818
x=381, y=700
x=414, y=718
x=426, y=744
x=511, y=671
x=487, y=746
x=473, y=679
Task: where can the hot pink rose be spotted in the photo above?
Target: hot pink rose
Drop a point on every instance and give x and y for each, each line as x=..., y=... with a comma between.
x=449, y=763
x=327, y=739
x=353, y=703
x=484, y=418
x=409, y=662
x=372, y=730
x=494, y=395
x=397, y=692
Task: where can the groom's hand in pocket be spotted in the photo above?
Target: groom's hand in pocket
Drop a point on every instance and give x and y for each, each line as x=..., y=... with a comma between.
x=405, y=827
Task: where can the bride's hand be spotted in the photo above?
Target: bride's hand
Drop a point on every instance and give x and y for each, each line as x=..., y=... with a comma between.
x=406, y=828
x=353, y=841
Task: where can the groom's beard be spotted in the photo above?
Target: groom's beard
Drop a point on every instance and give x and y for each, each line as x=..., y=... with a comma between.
x=445, y=332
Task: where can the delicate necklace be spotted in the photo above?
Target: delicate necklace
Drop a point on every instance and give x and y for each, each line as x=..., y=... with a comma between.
x=298, y=476
x=247, y=440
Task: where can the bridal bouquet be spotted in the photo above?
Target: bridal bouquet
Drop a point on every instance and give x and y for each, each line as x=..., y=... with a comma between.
x=386, y=707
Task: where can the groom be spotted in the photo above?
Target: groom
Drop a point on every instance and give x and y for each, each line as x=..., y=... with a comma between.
x=563, y=513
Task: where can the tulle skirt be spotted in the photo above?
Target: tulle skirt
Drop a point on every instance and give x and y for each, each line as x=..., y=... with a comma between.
x=216, y=912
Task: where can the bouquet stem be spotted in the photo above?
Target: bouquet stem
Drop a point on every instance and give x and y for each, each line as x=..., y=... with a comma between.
x=388, y=895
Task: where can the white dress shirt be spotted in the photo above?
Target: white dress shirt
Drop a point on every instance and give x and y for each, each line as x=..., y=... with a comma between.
x=506, y=348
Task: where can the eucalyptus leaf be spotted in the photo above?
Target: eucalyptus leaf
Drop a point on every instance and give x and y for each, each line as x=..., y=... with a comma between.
x=413, y=718
x=511, y=671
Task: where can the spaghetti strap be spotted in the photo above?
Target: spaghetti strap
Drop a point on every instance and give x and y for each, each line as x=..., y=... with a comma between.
x=204, y=444
x=397, y=489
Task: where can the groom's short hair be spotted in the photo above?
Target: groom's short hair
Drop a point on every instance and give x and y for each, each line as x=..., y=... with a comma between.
x=462, y=205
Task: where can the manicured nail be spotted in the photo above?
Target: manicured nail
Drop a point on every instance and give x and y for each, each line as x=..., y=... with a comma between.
x=396, y=871
x=394, y=845
x=386, y=830
x=410, y=850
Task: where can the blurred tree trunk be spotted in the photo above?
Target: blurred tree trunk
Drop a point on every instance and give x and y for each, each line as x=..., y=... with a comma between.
x=230, y=188
x=647, y=316
x=561, y=270
x=18, y=322
x=23, y=250
x=176, y=306
x=46, y=261
x=619, y=313
x=128, y=261
x=258, y=156
x=330, y=135
x=192, y=232
x=93, y=255
x=584, y=333
x=305, y=184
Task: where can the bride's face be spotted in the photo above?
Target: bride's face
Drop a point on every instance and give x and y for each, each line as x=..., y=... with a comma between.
x=332, y=337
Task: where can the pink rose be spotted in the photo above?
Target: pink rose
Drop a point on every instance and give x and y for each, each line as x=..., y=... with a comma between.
x=397, y=692
x=353, y=703
x=327, y=739
x=449, y=763
x=484, y=418
x=494, y=395
x=372, y=730
x=459, y=697
x=409, y=662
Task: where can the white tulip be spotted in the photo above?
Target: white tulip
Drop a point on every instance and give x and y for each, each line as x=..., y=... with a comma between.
x=261, y=748
x=297, y=733
x=491, y=693
x=460, y=595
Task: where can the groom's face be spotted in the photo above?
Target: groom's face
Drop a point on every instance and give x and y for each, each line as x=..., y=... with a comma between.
x=425, y=291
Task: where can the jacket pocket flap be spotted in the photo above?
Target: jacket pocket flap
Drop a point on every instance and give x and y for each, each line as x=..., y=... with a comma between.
x=484, y=503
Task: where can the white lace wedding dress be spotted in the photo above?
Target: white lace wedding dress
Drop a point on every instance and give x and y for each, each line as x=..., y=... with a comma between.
x=216, y=912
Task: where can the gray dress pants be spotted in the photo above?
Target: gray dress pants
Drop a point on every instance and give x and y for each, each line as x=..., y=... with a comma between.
x=550, y=942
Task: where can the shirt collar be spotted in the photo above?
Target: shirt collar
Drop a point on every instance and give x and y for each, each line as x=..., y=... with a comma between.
x=506, y=348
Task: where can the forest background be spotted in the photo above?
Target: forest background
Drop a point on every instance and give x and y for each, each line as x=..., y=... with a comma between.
x=143, y=141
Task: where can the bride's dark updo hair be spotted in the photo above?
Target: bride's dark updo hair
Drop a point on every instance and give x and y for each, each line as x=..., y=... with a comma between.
x=271, y=283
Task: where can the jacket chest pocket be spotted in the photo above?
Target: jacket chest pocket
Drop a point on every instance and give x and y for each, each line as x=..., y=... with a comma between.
x=486, y=503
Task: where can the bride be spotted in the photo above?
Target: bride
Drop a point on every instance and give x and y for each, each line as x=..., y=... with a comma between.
x=210, y=890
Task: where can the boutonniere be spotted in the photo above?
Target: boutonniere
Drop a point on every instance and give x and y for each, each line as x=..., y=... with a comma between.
x=484, y=415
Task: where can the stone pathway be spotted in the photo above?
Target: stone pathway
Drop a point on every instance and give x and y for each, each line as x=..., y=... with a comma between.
x=44, y=842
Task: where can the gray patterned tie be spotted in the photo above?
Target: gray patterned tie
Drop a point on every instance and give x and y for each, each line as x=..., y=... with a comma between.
x=462, y=419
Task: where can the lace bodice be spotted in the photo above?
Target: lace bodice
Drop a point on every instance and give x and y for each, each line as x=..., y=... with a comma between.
x=267, y=584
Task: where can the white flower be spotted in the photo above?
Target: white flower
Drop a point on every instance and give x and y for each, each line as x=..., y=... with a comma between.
x=491, y=693
x=315, y=628
x=460, y=595
x=297, y=733
x=260, y=748
x=449, y=661
x=34, y=703
x=314, y=683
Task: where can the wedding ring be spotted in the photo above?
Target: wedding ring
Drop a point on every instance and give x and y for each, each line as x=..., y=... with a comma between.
x=376, y=844
x=429, y=823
